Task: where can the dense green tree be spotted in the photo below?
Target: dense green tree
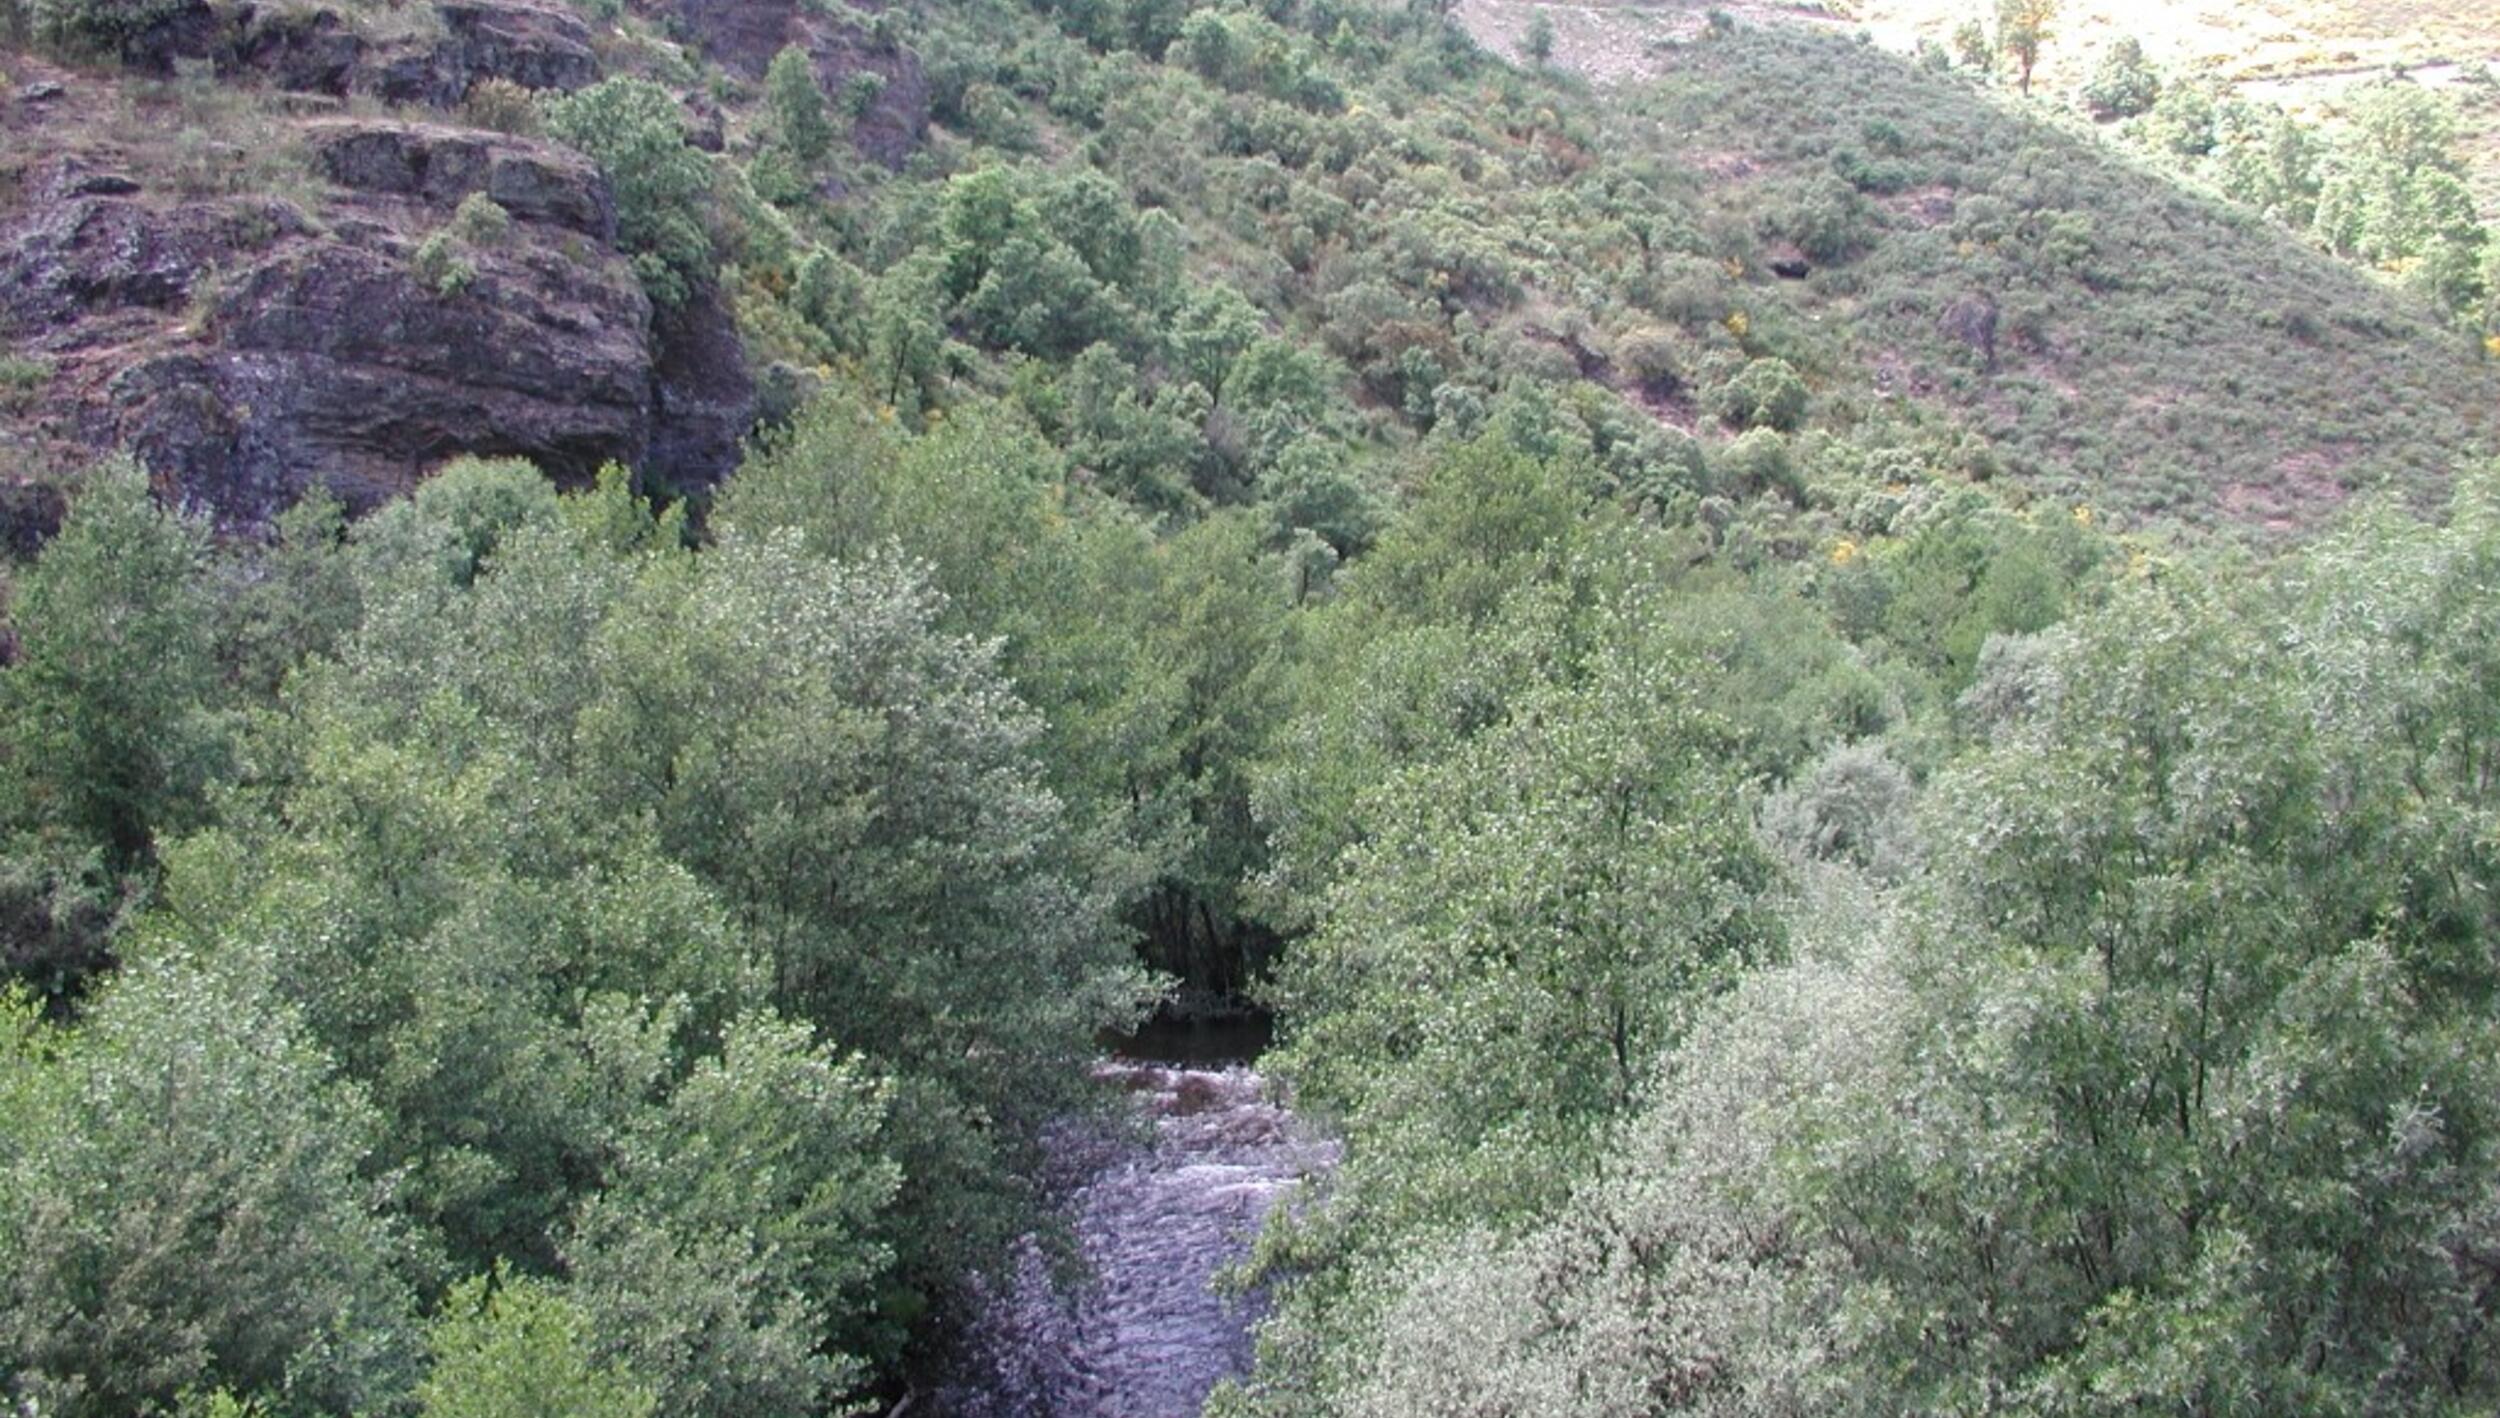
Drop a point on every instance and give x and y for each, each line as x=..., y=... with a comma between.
x=1141, y=449
x=2491, y=296
x=2393, y=194
x=295, y=598
x=1214, y=325
x=508, y=1346
x=1223, y=639
x=636, y=132
x=2170, y=1090
x=190, y=1204
x=1312, y=488
x=530, y=870
x=1676, y=1282
x=110, y=725
x=2269, y=161
x=2405, y=125
x=1782, y=923
x=1970, y=45
x=857, y=786
x=1512, y=943
x=906, y=334
x=1094, y=218
x=1467, y=602
x=108, y=738
x=800, y=120
x=1488, y=517
x=1963, y=572
x=2181, y=121
x=736, y=1234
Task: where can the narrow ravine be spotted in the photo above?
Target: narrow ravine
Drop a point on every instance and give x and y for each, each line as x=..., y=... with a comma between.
x=1140, y=1332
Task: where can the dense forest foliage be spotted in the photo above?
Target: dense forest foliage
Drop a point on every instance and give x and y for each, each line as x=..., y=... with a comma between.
x=1771, y=674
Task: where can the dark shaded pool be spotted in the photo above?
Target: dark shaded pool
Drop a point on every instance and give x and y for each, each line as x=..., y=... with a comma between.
x=1217, y=1039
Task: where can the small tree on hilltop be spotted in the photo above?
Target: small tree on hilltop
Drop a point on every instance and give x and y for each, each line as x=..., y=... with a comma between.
x=1970, y=45
x=1539, y=44
x=2022, y=27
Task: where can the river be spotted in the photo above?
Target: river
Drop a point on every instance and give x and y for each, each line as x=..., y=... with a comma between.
x=1138, y=1329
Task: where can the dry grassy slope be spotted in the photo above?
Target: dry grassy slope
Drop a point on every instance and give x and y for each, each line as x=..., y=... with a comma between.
x=2304, y=54
x=2181, y=360
x=2241, y=38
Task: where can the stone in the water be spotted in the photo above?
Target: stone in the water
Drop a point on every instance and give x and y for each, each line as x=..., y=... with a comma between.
x=1143, y=1334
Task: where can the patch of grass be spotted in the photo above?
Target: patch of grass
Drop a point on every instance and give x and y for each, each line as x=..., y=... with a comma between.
x=22, y=378
x=199, y=138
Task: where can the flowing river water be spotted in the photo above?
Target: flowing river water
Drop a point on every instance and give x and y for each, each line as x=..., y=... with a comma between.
x=1138, y=1330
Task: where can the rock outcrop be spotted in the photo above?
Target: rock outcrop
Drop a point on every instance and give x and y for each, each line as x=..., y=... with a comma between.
x=742, y=36
x=431, y=58
x=703, y=394
x=247, y=347
x=333, y=357
x=243, y=352
x=535, y=46
x=440, y=166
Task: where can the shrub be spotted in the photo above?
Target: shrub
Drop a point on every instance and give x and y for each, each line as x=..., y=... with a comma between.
x=1207, y=45
x=2124, y=85
x=1853, y=805
x=992, y=115
x=1756, y=463
x=1824, y=216
x=20, y=377
x=441, y=261
x=1652, y=355
x=502, y=106
x=860, y=92
x=1766, y=393
x=442, y=267
x=480, y=220
x=97, y=26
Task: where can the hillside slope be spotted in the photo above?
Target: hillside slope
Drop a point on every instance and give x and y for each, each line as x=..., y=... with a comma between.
x=2126, y=342
x=2307, y=54
x=1965, y=285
